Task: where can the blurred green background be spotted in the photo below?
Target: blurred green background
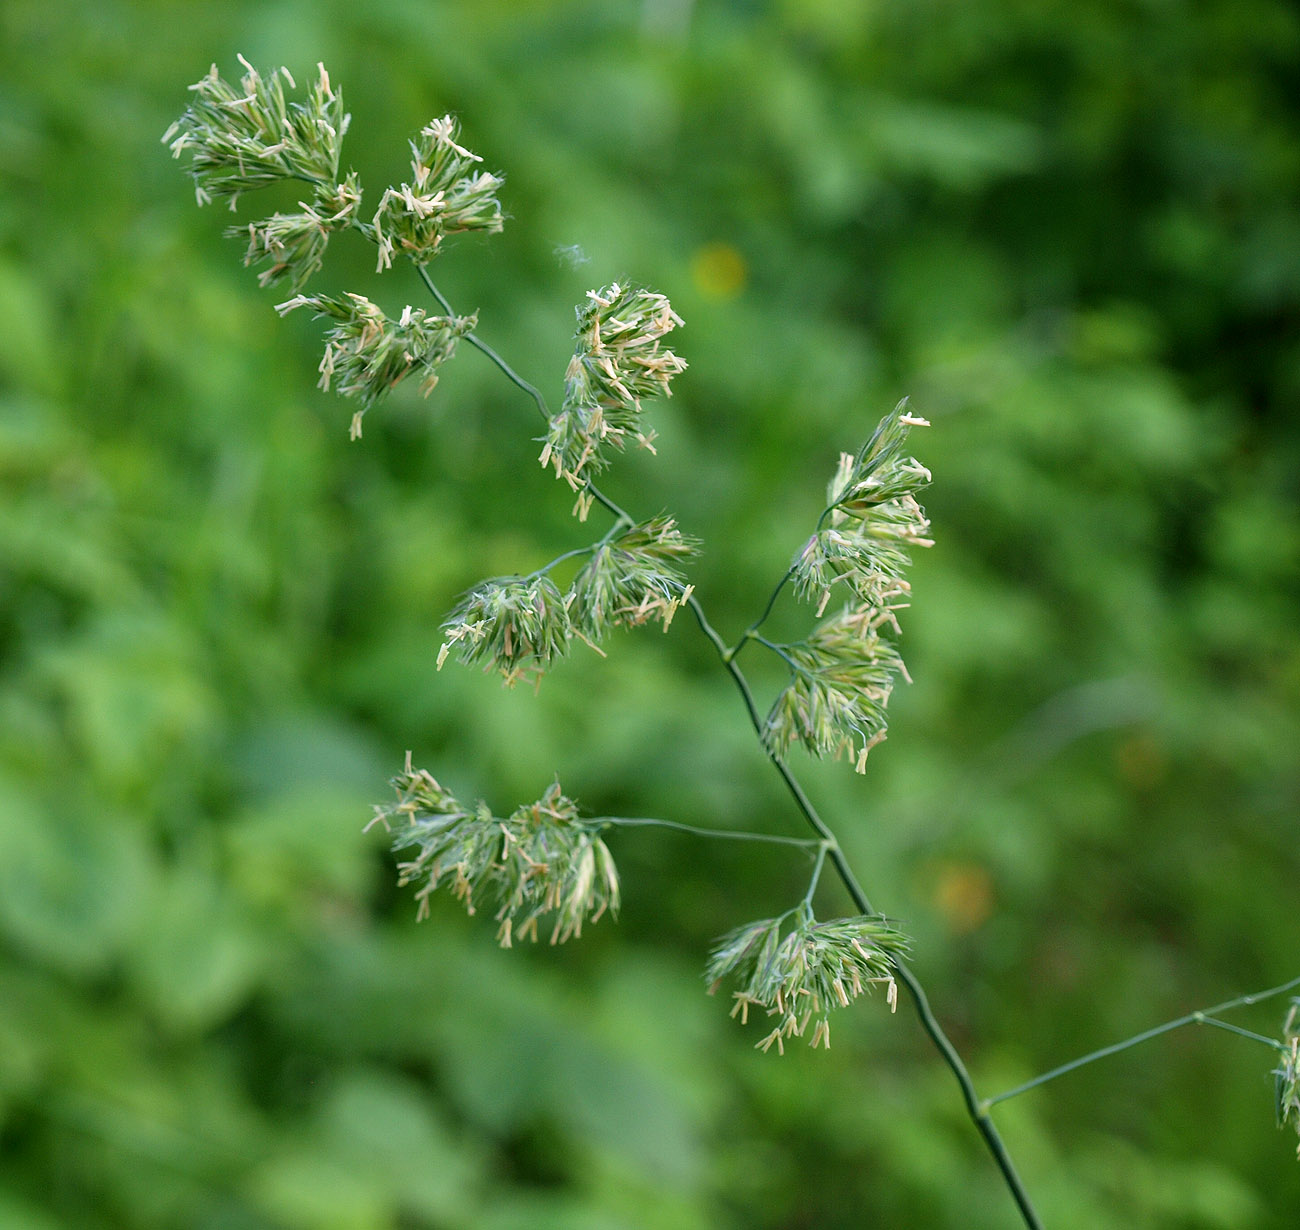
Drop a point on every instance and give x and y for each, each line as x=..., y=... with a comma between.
x=1069, y=232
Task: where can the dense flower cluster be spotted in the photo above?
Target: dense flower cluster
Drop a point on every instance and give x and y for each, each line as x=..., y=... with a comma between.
x=871, y=518
x=292, y=246
x=447, y=195
x=248, y=137
x=841, y=677
x=799, y=977
x=619, y=359
x=842, y=673
x=367, y=352
x=630, y=579
x=542, y=859
x=517, y=625
x=520, y=626
x=241, y=139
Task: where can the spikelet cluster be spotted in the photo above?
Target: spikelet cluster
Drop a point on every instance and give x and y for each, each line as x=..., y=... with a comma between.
x=542, y=860
x=843, y=672
x=799, y=977
x=367, y=352
x=448, y=194
x=619, y=358
x=520, y=626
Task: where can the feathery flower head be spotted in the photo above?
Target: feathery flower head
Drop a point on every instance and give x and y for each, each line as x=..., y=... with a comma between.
x=815, y=967
x=841, y=678
x=447, y=195
x=542, y=859
x=367, y=352
x=871, y=519
x=292, y=246
x=515, y=625
x=246, y=137
x=631, y=579
x=619, y=359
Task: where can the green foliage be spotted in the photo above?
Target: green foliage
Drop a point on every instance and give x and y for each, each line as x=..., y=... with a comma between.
x=1070, y=236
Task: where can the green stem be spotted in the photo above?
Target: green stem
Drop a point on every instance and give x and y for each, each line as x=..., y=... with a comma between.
x=977, y=1110
x=1241, y=1033
x=816, y=875
x=1201, y=1017
x=479, y=344
x=781, y=652
x=806, y=843
x=751, y=633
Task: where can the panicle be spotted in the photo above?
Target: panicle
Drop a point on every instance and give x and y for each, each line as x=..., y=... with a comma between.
x=871, y=519
x=518, y=626
x=631, y=579
x=248, y=136
x=447, y=195
x=843, y=672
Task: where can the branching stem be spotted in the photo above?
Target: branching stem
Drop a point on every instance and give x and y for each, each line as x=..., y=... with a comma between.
x=1204, y=1016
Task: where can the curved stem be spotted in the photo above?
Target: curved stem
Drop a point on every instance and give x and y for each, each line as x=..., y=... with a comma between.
x=779, y=650
x=479, y=344
x=751, y=633
x=1201, y=1017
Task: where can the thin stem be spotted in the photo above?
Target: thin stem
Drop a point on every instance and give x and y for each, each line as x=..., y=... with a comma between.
x=751, y=633
x=559, y=559
x=816, y=875
x=806, y=843
x=479, y=344
x=1200, y=1017
x=779, y=650
x=1243, y=1033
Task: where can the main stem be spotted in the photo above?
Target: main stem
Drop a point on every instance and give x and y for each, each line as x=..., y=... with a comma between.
x=977, y=1110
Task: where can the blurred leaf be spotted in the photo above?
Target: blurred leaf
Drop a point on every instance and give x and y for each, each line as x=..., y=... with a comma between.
x=72, y=885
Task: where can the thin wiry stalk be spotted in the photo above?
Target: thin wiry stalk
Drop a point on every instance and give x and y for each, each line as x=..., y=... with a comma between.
x=1201, y=1017
x=977, y=1110
x=806, y=843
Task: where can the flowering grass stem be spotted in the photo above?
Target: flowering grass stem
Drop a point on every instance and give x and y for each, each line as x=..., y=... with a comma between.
x=827, y=844
x=543, y=859
x=977, y=1110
